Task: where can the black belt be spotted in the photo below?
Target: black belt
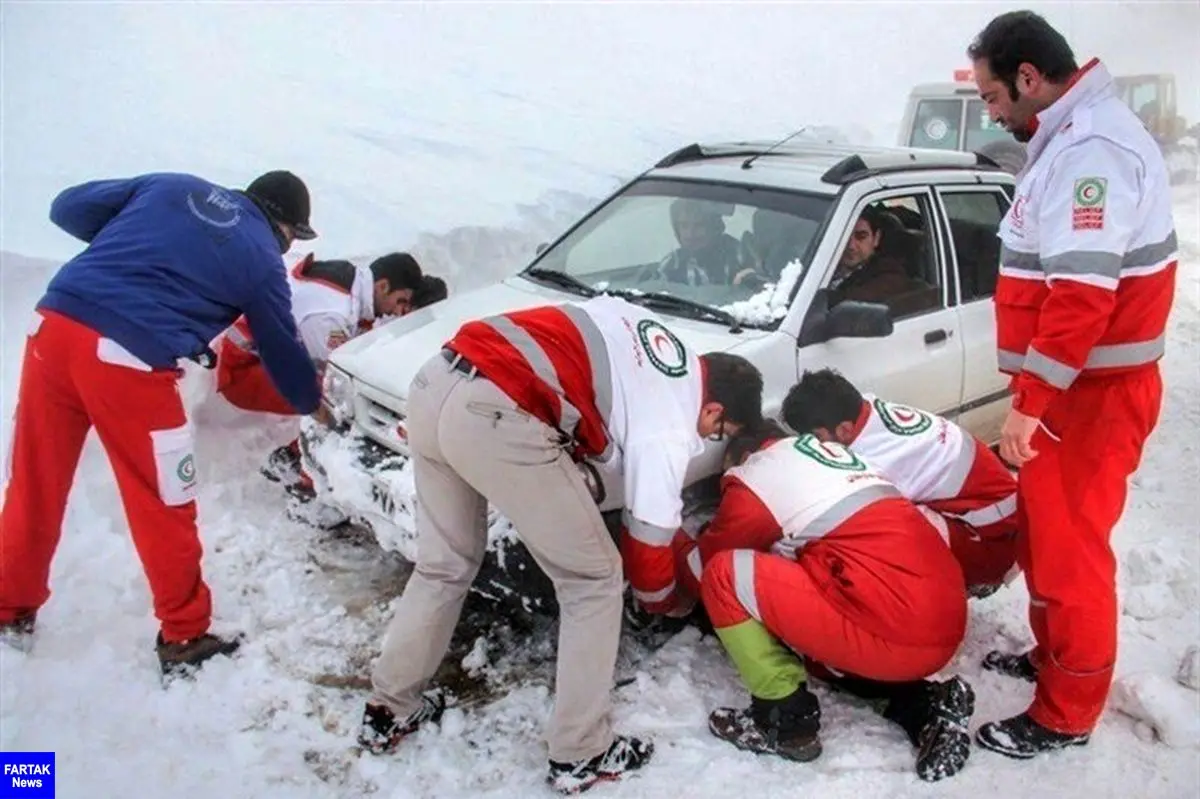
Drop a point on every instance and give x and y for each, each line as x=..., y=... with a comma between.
x=458, y=363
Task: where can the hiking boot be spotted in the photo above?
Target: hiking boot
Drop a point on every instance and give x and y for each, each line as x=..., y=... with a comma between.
x=1021, y=737
x=184, y=658
x=943, y=743
x=381, y=732
x=787, y=727
x=18, y=633
x=283, y=464
x=1011, y=665
x=624, y=755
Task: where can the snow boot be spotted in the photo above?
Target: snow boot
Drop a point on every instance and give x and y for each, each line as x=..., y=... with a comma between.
x=283, y=464
x=381, y=732
x=18, y=633
x=943, y=742
x=184, y=658
x=787, y=727
x=1021, y=737
x=1010, y=665
x=624, y=755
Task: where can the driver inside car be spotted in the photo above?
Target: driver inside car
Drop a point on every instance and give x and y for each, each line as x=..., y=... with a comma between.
x=706, y=253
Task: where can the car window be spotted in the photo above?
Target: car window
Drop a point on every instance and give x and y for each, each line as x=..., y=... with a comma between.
x=723, y=246
x=889, y=256
x=974, y=218
x=936, y=124
x=981, y=130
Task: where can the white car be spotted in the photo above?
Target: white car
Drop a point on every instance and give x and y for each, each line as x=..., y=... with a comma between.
x=785, y=212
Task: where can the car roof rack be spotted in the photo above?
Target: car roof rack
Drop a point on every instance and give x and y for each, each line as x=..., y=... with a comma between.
x=856, y=167
x=857, y=162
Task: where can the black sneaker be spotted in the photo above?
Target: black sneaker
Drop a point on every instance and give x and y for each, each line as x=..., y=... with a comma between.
x=1022, y=738
x=624, y=755
x=1011, y=665
x=381, y=732
x=283, y=464
x=18, y=633
x=184, y=658
x=943, y=743
x=788, y=727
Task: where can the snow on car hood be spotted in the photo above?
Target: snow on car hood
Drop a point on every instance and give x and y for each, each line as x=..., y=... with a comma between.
x=388, y=357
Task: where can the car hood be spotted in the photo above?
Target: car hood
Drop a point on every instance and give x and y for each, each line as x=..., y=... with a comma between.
x=388, y=357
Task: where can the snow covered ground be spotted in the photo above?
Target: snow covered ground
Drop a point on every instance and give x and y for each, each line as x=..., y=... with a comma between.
x=412, y=136
x=258, y=726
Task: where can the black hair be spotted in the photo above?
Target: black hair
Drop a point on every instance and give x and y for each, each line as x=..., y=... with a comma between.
x=1023, y=37
x=399, y=269
x=735, y=383
x=823, y=398
x=873, y=216
x=752, y=438
x=432, y=289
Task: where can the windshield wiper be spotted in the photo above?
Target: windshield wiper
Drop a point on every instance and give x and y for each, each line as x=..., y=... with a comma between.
x=697, y=310
x=561, y=279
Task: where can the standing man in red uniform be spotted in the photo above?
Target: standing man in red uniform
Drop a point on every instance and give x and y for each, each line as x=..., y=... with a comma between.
x=171, y=260
x=1087, y=279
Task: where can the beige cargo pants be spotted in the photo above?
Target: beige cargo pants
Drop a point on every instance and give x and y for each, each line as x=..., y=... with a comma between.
x=470, y=444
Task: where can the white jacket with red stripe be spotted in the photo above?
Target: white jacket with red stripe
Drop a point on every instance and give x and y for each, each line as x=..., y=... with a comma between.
x=321, y=308
x=627, y=392
x=936, y=463
x=872, y=552
x=1088, y=263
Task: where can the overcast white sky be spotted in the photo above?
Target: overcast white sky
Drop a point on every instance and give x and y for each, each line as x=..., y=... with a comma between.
x=410, y=109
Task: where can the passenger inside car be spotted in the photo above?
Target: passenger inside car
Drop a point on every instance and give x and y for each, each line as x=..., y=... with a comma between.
x=706, y=253
x=878, y=264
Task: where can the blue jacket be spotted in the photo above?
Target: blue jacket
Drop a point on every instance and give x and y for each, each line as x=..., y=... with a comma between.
x=172, y=260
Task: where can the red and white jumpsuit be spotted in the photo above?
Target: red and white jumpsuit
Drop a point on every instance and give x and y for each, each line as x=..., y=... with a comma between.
x=970, y=493
x=831, y=559
x=1086, y=283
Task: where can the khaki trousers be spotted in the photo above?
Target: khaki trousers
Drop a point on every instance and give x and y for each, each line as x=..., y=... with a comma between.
x=470, y=445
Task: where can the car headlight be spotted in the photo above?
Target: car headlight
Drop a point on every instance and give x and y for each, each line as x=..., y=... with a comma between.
x=337, y=392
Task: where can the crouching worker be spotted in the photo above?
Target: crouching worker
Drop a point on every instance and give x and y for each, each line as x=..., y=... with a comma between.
x=332, y=301
x=504, y=414
x=813, y=555
x=970, y=495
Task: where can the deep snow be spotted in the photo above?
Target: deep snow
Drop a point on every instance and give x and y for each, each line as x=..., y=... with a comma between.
x=258, y=726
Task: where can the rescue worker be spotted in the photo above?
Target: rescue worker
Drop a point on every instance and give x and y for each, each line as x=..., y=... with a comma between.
x=1087, y=280
x=171, y=260
x=812, y=554
x=432, y=289
x=970, y=496
x=332, y=301
x=503, y=414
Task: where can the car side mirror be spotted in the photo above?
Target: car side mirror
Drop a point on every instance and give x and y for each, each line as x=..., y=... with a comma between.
x=846, y=319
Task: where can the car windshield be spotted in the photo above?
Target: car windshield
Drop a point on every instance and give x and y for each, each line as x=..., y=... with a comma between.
x=981, y=129
x=725, y=253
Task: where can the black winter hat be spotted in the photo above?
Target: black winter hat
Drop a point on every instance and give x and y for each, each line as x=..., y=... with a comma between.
x=284, y=198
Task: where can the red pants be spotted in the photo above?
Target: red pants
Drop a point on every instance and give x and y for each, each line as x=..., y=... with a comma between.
x=782, y=594
x=243, y=380
x=1070, y=496
x=984, y=561
x=72, y=380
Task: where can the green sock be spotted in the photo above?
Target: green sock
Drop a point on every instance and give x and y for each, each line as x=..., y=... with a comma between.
x=768, y=668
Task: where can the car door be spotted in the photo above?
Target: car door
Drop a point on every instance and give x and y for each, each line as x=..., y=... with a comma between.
x=920, y=362
x=972, y=217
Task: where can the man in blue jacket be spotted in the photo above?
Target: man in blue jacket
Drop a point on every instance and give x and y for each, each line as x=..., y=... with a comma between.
x=172, y=260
